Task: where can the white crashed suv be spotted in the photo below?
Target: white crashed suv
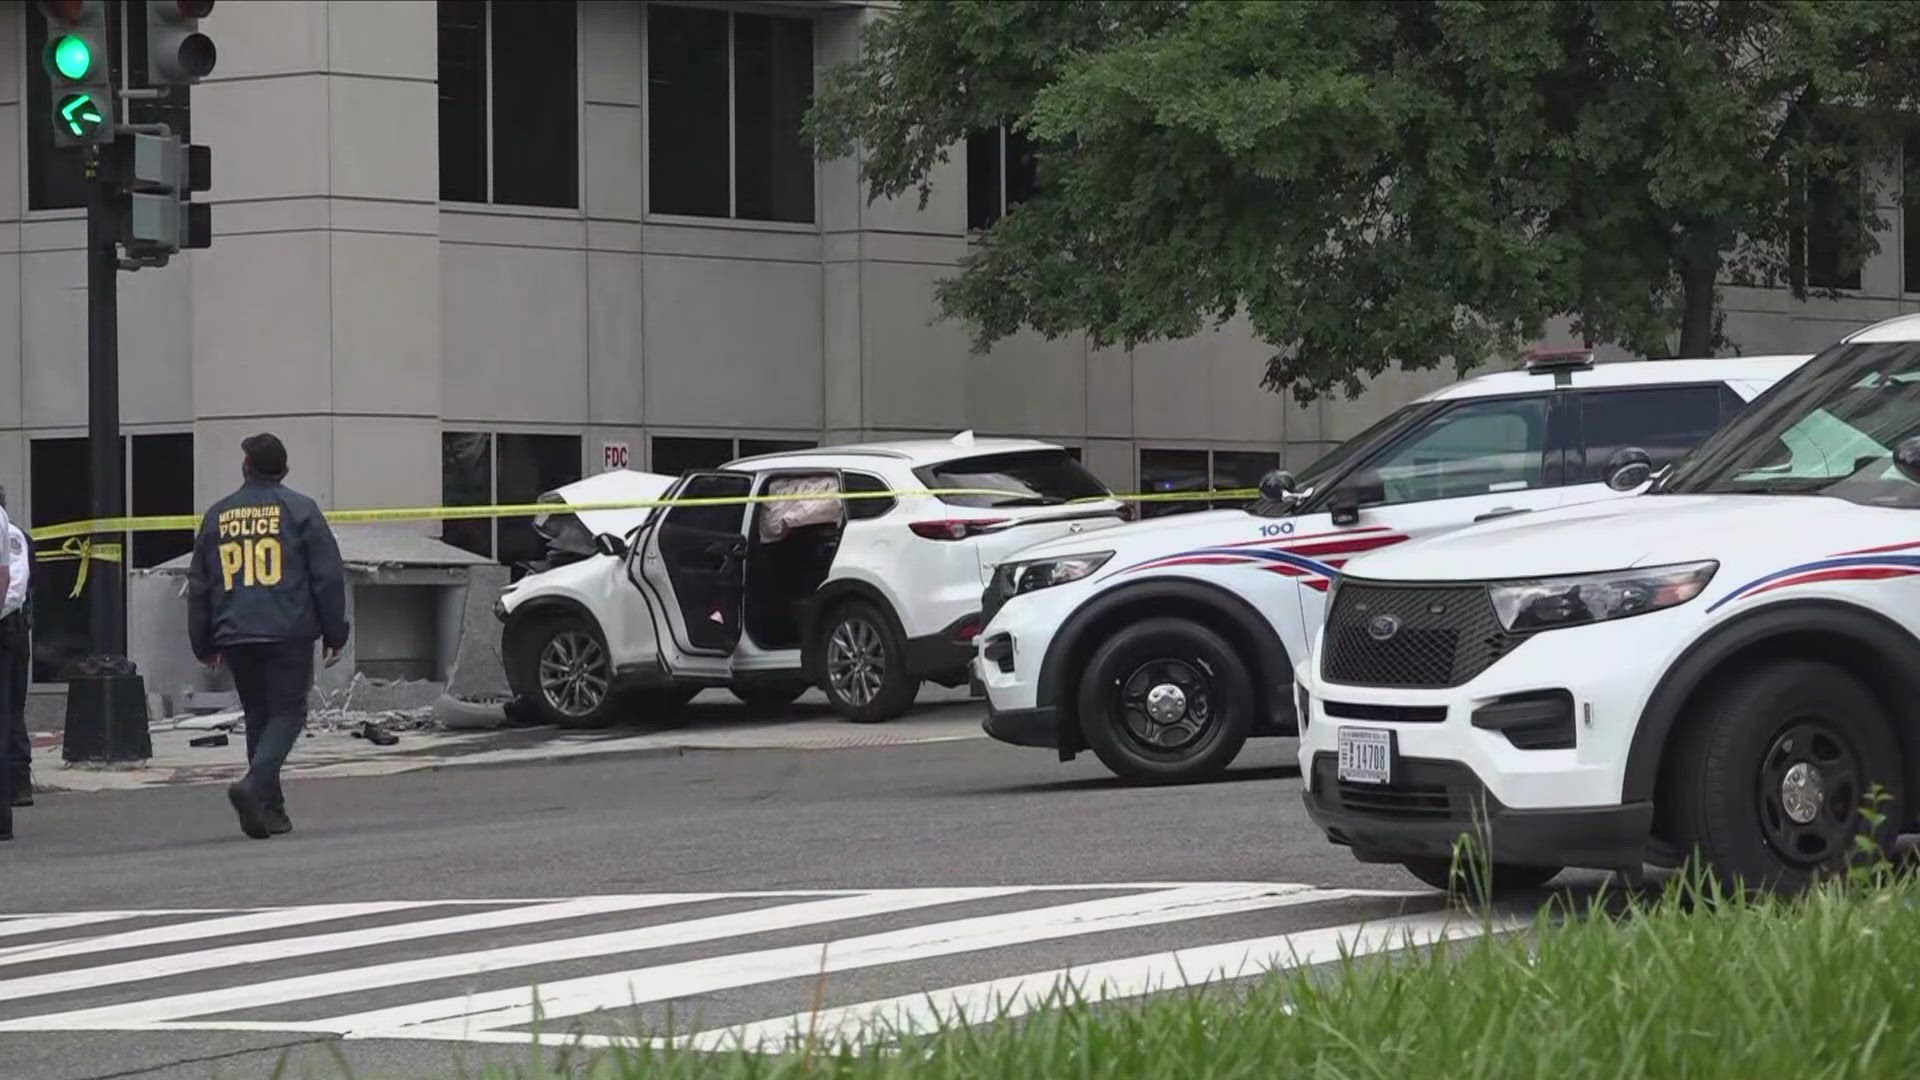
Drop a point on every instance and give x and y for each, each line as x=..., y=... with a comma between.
x=1162, y=646
x=1726, y=665
x=866, y=597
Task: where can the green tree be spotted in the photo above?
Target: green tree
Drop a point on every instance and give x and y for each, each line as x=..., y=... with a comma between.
x=1410, y=182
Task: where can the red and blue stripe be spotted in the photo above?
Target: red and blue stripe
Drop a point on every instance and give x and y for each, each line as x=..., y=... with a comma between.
x=1315, y=560
x=1866, y=564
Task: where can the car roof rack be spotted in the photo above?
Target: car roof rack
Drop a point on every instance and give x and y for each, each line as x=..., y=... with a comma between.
x=1559, y=361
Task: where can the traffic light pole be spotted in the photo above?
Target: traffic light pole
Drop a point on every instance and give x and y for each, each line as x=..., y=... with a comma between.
x=107, y=578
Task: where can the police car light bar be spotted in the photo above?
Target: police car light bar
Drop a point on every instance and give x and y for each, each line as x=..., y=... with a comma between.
x=1561, y=363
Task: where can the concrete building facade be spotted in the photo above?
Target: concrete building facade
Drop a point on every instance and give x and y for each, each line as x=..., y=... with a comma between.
x=465, y=251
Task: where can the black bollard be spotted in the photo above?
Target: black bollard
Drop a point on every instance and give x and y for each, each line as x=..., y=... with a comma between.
x=106, y=712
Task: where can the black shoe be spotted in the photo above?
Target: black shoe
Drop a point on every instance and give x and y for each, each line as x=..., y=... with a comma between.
x=277, y=821
x=23, y=790
x=253, y=816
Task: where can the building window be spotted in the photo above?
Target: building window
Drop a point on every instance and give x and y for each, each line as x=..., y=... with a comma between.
x=1910, y=211
x=677, y=455
x=159, y=472
x=726, y=92
x=1167, y=472
x=1825, y=244
x=56, y=176
x=1002, y=172
x=511, y=469
x=509, y=102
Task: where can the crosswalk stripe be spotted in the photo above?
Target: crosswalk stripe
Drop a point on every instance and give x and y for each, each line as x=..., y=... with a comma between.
x=157, y=1011
x=281, y=949
x=174, y=933
x=494, y=1010
x=1005, y=998
x=22, y=925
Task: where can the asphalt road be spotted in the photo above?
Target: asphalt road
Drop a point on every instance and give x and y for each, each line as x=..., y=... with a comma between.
x=732, y=887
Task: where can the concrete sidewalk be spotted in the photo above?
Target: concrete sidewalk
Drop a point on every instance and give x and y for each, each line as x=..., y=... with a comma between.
x=326, y=753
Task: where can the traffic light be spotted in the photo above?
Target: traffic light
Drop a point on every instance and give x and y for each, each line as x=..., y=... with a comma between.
x=178, y=54
x=76, y=61
x=159, y=174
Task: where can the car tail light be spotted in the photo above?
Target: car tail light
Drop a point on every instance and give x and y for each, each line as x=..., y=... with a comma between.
x=967, y=631
x=954, y=529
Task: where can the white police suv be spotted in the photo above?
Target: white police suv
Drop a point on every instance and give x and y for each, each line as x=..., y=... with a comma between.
x=1726, y=665
x=1163, y=645
x=764, y=579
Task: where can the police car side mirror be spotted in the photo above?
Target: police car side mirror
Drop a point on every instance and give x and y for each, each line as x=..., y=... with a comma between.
x=1906, y=458
x=609, y=544
x=1344, y=505
x=1279, y=486
x=1628, y=468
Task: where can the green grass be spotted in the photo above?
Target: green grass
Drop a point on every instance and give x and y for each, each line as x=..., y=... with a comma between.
x=1671, y=986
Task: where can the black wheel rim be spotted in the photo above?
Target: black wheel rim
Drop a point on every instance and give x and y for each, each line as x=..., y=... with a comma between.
x=1166, y=705
x=1811, y=786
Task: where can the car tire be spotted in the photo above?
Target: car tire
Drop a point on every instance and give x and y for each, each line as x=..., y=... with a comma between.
x=1166, y=700
x=1495, y=882
x=566, y=673
x=769, y=696
x=863, y=665
x=1771, y=774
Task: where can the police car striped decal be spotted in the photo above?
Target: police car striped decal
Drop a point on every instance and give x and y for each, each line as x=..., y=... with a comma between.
x=1293, y=557
x=1868, y=564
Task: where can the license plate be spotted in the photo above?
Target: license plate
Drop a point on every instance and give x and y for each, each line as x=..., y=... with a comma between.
x=1366, y=755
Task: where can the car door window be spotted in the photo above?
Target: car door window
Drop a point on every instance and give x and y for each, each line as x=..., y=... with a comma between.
x=1665, y=421
x=1479, y=448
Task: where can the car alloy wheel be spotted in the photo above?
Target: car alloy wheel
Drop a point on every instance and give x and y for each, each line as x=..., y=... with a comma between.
x=573, y=673
x=856, y=662
x=1810, y=793
x=1166, y=704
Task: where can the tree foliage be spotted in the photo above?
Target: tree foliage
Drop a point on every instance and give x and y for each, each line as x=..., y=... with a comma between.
x=1409, y=182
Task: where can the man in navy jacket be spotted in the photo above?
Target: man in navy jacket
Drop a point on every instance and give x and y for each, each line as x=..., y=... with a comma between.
x=266, y=582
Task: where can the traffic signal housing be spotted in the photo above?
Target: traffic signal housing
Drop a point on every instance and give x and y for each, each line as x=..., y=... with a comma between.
x=158, y=175
x=75, y=60
x=178, y=54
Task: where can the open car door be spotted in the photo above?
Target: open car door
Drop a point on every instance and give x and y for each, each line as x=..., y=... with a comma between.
x=694, y=561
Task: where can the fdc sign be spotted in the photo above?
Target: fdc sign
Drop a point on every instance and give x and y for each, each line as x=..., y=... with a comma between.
x=615, y=454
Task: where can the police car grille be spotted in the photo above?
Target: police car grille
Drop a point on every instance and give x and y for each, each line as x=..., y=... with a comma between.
x=1446, y=635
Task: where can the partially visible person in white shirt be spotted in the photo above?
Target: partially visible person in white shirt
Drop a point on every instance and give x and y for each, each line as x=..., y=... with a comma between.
x=16, y=747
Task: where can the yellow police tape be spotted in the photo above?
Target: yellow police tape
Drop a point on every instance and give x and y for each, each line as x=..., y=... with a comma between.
x=80, y=543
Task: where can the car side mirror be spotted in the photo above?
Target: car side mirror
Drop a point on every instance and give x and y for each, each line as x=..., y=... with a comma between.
x=1906, y=458
x=1344, y=505
x=609, y=544
x=1628, y=468
x=1279, y=486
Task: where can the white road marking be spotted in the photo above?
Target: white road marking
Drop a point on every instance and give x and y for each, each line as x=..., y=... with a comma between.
x=172, y=933
x=21, y=925
x=571, y=997
x=158, y=1011
x=166, y=966
x=1005, y=998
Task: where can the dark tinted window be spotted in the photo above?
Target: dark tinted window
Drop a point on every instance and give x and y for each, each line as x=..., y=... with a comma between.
x=160, y=471
x=463, y=104
x=531, y=465
x=1910, y=211
x=1027, y=478
x=687, y=110
x=772, y=85
x=756, y=447
x=862, y=509
x=1241, y=470
x=1665, y=421
x=712, y=518
x=535, y=104
x=983, y=178
x=466, y=479
x=675, y=455
x=1169, y=472
x=62, y=489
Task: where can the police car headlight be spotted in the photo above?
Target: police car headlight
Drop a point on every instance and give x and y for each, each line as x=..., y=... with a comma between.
x=1547, y=603
x=1046, y=573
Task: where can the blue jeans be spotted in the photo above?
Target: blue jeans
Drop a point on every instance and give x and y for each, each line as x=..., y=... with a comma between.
x=273, y=679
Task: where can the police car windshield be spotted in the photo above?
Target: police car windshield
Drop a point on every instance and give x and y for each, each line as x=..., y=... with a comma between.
x=1335, y=461
x=1828, y=429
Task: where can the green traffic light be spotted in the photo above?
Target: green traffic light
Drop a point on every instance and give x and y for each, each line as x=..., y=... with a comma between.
x=72, y=58
x=80, y=114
